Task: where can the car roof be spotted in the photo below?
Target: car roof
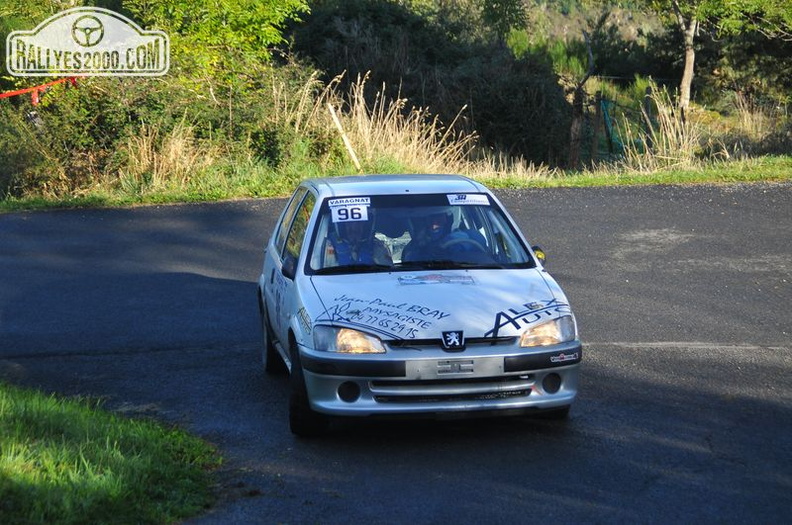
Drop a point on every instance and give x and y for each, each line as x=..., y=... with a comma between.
x=392, y=185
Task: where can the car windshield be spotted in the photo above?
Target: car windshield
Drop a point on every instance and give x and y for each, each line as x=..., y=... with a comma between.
x=413, y=232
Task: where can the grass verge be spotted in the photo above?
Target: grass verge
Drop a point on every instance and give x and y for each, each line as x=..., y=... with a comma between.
x=758, y=169
x=253, y=181
x=68, y=461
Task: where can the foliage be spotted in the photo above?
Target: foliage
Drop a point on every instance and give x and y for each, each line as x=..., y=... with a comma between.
x=286, y=135
x=73, y=139
x=440, y=59
x=219, y=39
x=503, y=15
x=747, y=63
x=212, y=36
x=141, y=133
x=772, y=17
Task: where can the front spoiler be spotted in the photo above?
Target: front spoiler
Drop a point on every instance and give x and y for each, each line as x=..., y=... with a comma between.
x=442, y=384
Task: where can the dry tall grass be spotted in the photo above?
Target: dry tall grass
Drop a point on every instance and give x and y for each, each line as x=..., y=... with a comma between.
x=666, y=140
x=759, y=129
x=499, y=168
x=300, y=108
x=756, y=122
x=380, y=127
x=410, y=136
x=154, y=161
x=387, y=127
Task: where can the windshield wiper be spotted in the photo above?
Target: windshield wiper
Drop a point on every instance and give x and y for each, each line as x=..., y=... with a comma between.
x=353, y=268
x=446, y=264
x=428, y=265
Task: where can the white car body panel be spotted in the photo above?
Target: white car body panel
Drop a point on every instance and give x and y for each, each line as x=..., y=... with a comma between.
x=422, y=305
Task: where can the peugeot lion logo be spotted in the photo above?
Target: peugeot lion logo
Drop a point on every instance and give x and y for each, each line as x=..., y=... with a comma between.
x=454, y=340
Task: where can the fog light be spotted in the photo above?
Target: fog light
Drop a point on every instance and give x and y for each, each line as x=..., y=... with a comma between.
x=349, y=392
x=551, y=383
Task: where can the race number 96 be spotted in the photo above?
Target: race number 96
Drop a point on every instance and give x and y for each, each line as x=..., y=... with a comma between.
x=350, y=213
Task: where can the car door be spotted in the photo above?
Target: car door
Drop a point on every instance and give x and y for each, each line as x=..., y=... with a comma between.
x=273, y=263
x=283, y=301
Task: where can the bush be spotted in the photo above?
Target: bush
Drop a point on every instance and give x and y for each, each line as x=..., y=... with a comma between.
x=140, y=133
x=73, y=139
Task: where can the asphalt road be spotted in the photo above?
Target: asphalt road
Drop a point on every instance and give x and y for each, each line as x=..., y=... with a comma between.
x=685, y=415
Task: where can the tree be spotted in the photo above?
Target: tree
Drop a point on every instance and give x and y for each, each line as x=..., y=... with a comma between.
x=770, y=17
x=503, y=15
x=207, y=37
x=215, y=35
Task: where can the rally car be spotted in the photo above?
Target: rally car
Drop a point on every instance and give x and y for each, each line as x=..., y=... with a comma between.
x=411, y=295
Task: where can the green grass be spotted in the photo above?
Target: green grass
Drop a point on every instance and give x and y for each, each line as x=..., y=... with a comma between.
x=759, y=169
x=255, y=181
x=68, y=461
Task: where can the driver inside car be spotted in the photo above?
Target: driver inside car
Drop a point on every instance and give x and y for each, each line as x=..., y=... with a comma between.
x=354, y=242
x=433, y=238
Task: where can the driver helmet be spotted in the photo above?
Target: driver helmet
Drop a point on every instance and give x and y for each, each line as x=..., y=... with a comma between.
x=356, y=232
x=434, y=226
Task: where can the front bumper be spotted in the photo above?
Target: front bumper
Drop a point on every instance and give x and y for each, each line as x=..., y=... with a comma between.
x=411, y=381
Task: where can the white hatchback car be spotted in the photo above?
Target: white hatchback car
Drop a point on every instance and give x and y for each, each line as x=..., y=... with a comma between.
x=411, y=295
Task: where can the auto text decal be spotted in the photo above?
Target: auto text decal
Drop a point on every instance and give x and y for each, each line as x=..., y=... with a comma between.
x=396, y=320
x=528, y=313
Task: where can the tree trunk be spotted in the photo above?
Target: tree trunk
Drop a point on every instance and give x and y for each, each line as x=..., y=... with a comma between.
x=578, y=110
x=689, y=29
x=687, y=74
x=576, y=129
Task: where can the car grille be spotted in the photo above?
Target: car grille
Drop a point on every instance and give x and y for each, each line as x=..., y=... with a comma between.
x=438, y=343
x=443, y=390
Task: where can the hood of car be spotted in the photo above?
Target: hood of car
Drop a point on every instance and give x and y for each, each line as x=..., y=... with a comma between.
x=424, y=305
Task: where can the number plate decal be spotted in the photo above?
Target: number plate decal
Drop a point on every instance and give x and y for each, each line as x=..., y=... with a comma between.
x=455, y=366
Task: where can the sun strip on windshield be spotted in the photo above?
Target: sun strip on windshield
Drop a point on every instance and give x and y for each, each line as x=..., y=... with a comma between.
x=468, y=199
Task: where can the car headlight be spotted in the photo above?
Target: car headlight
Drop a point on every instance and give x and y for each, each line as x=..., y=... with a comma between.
x=552, y=332
x=346, y=341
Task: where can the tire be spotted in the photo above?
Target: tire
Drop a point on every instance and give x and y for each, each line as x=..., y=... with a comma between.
x=270, y=359
x=303, y=420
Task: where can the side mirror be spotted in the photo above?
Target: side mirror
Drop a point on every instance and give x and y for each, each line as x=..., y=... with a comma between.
x=540, y=254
